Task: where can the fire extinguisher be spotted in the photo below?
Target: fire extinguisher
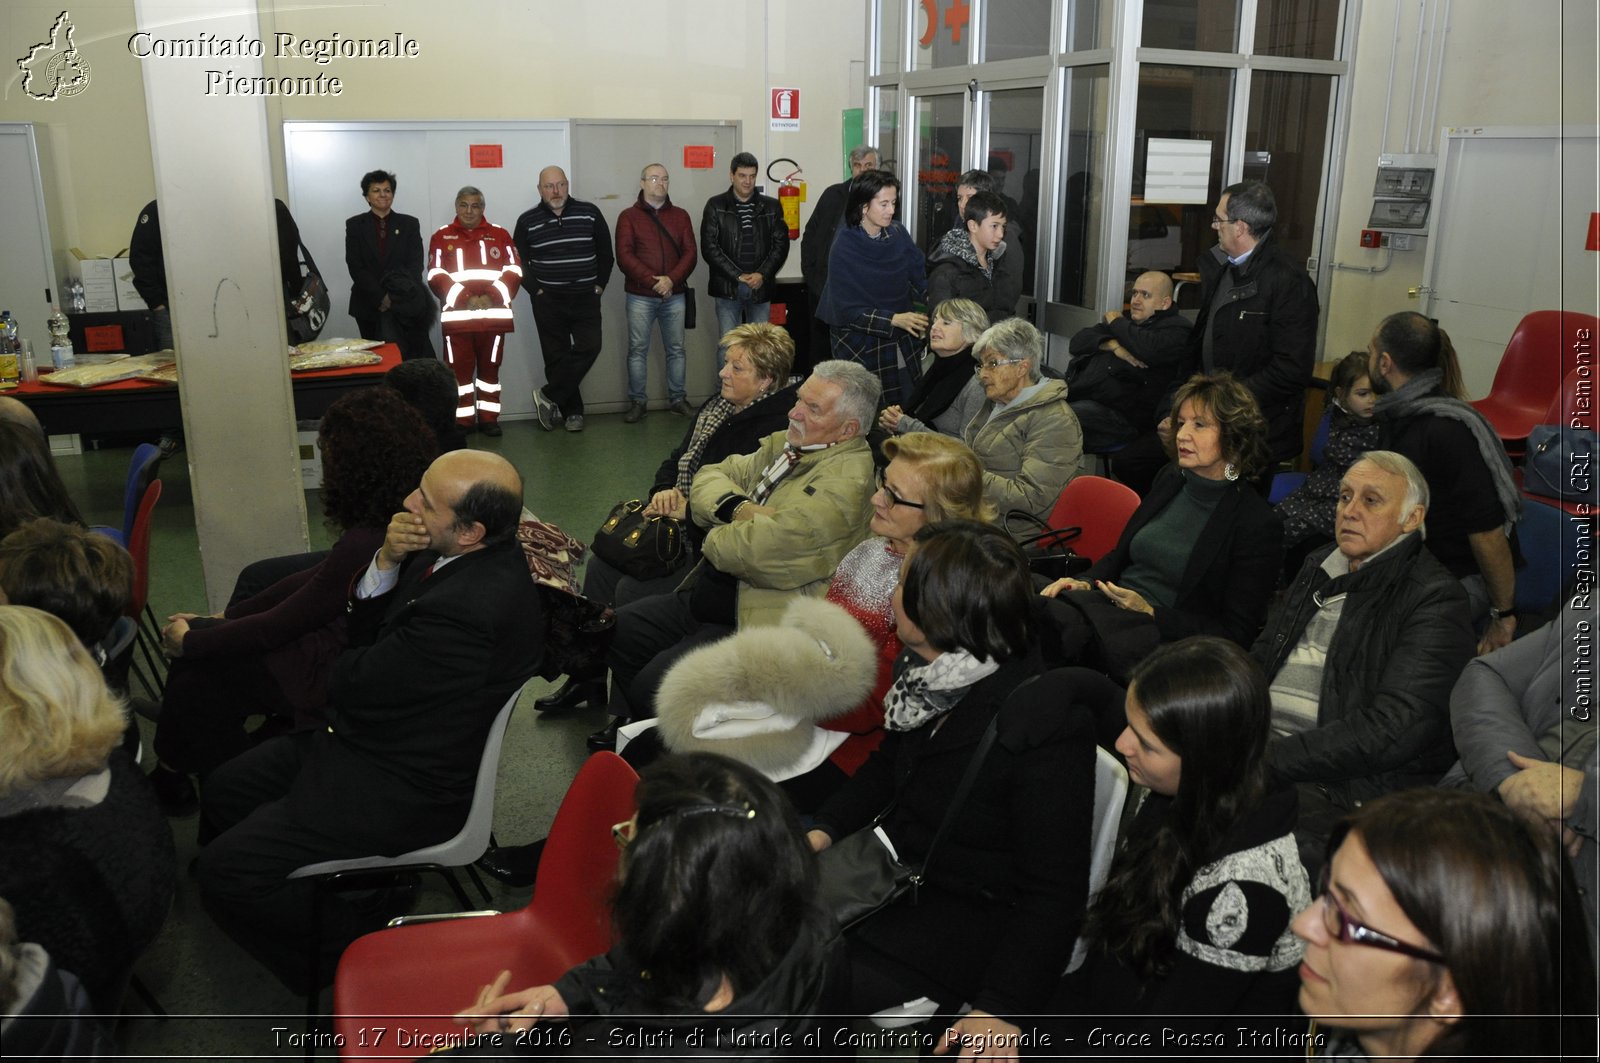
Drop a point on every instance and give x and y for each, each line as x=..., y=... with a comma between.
x=790, y=193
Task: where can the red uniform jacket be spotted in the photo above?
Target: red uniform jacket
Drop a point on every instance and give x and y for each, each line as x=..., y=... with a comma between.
x=466, y=262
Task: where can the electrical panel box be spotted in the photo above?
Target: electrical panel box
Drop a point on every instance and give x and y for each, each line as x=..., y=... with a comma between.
x=1403, y=193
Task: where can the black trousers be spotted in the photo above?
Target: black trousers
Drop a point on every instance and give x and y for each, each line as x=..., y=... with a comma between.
x=293, y=801
x=652, y=634
x=569, y=336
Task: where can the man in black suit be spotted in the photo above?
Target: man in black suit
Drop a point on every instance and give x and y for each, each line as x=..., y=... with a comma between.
x=444, y=626
x=383, y=251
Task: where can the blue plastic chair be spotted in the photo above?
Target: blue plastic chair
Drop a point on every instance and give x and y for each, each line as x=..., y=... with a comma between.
x=142, y=469
x=1286, y=483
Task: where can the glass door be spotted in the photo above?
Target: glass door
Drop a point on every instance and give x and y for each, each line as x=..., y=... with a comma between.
x=938, y=132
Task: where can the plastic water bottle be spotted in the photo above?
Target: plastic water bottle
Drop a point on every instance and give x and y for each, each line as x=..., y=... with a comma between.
x=61, y=355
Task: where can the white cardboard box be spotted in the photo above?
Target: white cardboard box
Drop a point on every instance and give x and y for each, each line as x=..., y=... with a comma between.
x=99, y=282
x=128, y=297
x=310, y=456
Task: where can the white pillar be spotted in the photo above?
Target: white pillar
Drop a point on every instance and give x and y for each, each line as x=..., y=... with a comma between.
x=214, y=185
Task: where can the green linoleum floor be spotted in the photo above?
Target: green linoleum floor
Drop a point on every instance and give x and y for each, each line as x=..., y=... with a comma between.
x=223, y=1004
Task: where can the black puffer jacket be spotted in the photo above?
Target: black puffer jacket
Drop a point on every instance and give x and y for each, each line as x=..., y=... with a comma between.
x=1383, y=718
x=1265, y=334
x=719, y=244
x=954, y=273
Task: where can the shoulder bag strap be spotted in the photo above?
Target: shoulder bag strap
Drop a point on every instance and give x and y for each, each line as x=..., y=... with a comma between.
x=655, y=217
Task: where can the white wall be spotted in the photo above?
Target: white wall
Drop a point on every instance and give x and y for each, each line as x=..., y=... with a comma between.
x=678, y=59
x=1506, y=64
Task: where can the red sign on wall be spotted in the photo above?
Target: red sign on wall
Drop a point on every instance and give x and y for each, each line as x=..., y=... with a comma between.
x=484, y=156
x=785, y=110
x=698, y=156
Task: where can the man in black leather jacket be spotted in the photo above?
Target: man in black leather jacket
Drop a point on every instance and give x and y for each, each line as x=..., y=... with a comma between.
x=744, y=241
x=1363, y=653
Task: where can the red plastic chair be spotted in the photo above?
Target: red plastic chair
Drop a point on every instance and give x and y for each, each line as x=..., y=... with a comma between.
x=425, y=972
x=1541, y=352
x=1099, y=506
x=149, y=632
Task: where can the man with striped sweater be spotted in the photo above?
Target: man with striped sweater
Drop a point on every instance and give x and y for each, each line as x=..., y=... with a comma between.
x=566, y=247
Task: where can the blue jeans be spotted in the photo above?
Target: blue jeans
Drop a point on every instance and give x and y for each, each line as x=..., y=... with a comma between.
x=642, y=311
x=735, y=312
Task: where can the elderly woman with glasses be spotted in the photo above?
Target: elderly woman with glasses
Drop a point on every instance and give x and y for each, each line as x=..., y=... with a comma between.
x=1025, y=434
x=1438, y=933
x=717, y=932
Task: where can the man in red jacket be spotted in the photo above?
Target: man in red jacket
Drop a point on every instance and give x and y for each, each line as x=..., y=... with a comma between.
x=655, y=248
x=473, y=269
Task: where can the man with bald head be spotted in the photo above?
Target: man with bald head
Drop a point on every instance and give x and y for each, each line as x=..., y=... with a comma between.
x=566, y=249
x=444, y=626
x=18, y=412
x=1122, y=366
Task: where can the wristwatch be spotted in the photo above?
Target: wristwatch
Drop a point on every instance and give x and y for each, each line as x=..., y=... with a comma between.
x=1501, y=614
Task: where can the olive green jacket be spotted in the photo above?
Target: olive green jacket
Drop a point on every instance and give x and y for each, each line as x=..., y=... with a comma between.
x=1029, y=451
x=821, y=512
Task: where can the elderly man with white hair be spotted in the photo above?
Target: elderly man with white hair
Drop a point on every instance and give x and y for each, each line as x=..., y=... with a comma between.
x=1025, y=434
x=1363, y=653
x=778, y=523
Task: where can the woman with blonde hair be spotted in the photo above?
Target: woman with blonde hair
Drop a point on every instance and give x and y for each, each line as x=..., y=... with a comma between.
x=949, y=393
x=98, y=876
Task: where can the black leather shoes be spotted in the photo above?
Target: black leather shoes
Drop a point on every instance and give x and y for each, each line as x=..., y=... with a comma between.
x=606, y=737
x=515, y=865
x=574, y=694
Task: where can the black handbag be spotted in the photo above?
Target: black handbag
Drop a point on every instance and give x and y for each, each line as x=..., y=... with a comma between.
x=688, y=293
x=578, y=633
x=307, y=312
x=1048, y=550
x=645, y=548
x=857, y=876
x=1561, y=464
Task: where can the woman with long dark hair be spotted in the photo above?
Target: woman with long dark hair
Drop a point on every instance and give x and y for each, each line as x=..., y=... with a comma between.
x=1438, y=933
x=716, y=924
x=875, y=275
x=272, y=654
x=1194, y=917
x=30, y=486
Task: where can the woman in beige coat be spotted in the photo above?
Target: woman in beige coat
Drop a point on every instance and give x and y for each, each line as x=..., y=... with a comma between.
x=1025, y=434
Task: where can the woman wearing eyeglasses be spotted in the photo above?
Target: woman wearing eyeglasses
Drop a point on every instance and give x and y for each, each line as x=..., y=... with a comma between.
x=1025, y=434
x=1192, y=925
x=716, y=928
x=1200, y=555
x=1438, y=933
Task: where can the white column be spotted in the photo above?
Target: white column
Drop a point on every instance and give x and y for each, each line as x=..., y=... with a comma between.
x=214, y=185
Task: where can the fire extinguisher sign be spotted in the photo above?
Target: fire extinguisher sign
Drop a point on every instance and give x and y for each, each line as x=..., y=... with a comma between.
x=785, y=110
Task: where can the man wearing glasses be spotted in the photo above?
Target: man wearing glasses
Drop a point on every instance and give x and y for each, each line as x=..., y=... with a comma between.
x=1258, y=320
x=655, y=248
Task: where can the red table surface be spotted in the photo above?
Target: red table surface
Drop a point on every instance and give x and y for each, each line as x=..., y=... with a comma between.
x=389, y=352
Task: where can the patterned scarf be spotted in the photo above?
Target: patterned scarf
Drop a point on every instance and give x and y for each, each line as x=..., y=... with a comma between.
x=712, y=417
x=922, y=692
x=781, y=466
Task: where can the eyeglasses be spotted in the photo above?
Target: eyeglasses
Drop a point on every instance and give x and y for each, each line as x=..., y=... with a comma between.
x=658, y=179
x=1341, y=927
x=894, y=499
x=622, y=833
x=996, y=363
x=1217, y=221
